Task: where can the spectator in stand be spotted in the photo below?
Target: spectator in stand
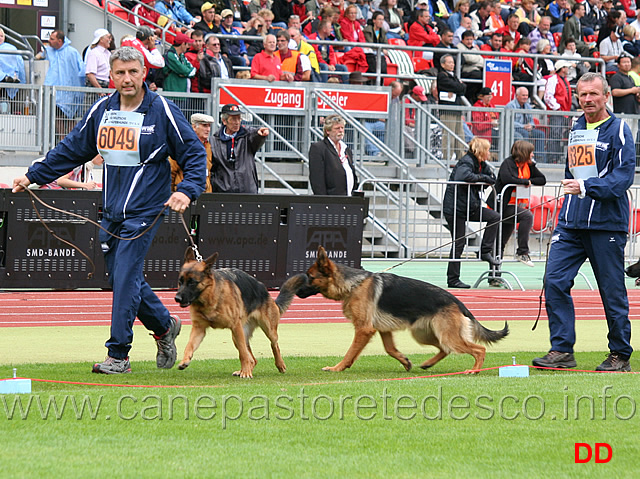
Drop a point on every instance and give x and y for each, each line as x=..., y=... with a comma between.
x=595, y=17
x=294, y=22
x=557, y=97
x=634, y=73
x=546, y=64
x=234, y=49
x=282, y=10
x=350, y=27
x=524, y=127
x=233, y=150
x=300, y=10
x=194, y=7
x=325, y=53
x=480, y=22
x=484, y=124
x=267, y=17
x=11, y=68
x=241, y=14
x=201, y=125
x=255, y=27
x=418, y=96
x=97, y=64
x=256, y=5
x=195, y=54
x=308, y=54
x=421, y=34
x=465, y=26
x=213, y=64
x=331, y=168
x=508, y=45
x=450, y=91
x=207, y=24
x=494, y=45
x=511, y=28
x=529, y=17
x=629, y=42
x=178, y=69
x=495, y=16
x=472, y=65
x=144, y=15
x=145, y=43
x=460, y=11
x=175, y=10
x=578, y=67
x=573, y=29
x=558, y=11
x=625, y=93
x=630, y=8
x=543, y=30
x=441, y=11
x=393, y=16
x=374, y=33
x=413, y=16
x=610, y=50
x=66, y=68
x=463, y=203
x=518, y=169
x=266, y=65
x=446, y=41
x=615, y=21
x=290, y=60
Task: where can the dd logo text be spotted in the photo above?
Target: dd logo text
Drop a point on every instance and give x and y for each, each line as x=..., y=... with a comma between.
x=586, y=456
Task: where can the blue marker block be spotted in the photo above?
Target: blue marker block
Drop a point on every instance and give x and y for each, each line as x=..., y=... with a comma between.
x=514, y=372
x=15, y=386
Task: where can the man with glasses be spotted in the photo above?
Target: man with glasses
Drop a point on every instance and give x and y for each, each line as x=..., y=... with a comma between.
x=213, y=64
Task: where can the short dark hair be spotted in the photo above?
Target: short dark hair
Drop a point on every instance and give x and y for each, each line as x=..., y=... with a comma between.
x=570, y=40
x=377, y=14
x=445, y=31
x=197, y=33
x=59, y=34
x=574, y=9
x=467, y=33
x=496, y=34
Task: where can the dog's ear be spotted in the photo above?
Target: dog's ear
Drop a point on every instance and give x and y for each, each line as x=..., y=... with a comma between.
x=323, y=262
x=211, y=260
x=322, y=256
x=188, y=255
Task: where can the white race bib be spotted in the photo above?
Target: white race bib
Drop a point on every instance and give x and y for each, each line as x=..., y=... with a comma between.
x=582, y=154
x=119, y=137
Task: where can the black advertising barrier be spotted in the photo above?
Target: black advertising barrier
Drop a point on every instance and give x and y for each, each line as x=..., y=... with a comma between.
x=269, y=236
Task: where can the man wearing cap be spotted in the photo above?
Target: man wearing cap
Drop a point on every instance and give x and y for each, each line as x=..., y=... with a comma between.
x=610, y=49
x=201, y=125
x=233, y=147
x=557, y=97
x=175, y=10
x=213, y=64
x=145, y=43
x=97, y=65
x=147, y=128
x=207, y=24
x=177, y=69
x=266, y=65
x=236, y=50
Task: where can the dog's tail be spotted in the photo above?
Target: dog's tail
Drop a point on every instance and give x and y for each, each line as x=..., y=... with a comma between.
x=488, y=336
x=288, y=291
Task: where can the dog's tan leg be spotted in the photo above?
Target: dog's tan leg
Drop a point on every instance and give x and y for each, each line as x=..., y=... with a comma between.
x=360, y=340
x=270, y=328
x=390, y=348
x=430, y=362
x=198, y=331
x=478, y=352
x=246, y=359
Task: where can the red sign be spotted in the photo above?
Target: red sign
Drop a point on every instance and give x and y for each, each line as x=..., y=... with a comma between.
x=361, y=101
x=497, y=77
x=292, y=98
x=261, y=97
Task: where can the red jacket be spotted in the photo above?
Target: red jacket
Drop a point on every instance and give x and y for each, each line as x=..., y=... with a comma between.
x=505, y=31
x=481, y=120
x=350, y=30
x=422, y=35
x=192, y=56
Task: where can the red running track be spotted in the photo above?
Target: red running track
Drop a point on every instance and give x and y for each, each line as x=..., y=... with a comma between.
x=93, y=308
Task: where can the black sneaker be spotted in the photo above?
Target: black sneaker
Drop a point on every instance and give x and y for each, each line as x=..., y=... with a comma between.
x=555, y=359
x=167, y=352
x=112, y=366
x=614, y=362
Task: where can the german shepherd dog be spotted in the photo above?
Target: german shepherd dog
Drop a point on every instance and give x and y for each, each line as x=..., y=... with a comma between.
x=386, y=303
x=230, y=298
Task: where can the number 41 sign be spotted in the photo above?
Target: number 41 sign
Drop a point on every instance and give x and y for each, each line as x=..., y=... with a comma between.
x=497, y=77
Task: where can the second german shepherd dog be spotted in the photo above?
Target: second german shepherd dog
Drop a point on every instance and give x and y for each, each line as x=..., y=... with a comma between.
x=230, y=298
x=386, y=303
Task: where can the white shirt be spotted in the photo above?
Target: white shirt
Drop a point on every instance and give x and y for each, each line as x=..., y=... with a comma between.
x=98, y=62
x=344, y=159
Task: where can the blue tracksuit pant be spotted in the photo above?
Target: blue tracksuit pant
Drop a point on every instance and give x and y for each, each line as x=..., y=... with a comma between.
x=569, y=250
x=132, y=296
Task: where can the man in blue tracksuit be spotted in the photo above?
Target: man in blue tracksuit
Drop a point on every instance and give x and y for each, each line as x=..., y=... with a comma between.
x=593, y=224
x=134, y=130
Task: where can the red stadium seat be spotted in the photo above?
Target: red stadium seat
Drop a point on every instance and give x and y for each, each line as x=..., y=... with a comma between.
x=543, y=214
x=420, y=64
x=117, y=11
x=397, y=41
x=392, y=69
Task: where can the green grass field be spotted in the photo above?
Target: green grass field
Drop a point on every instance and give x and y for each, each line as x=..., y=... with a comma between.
x=374, y=420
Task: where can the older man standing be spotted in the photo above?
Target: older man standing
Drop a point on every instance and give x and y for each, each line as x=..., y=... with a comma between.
x=201, y=125
x=136, y=189
x=592, y=224
x=234, y=148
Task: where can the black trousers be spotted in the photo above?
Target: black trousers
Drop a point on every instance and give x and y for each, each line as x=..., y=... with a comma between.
x=525, y=220
x=456, y=227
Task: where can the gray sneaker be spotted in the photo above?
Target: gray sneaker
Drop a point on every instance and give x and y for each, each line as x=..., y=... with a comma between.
x=167, y=352
x=112, y=366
